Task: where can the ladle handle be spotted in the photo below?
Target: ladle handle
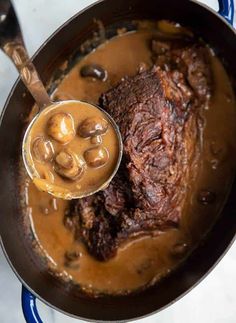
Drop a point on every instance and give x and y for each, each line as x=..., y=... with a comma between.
x=11, y=42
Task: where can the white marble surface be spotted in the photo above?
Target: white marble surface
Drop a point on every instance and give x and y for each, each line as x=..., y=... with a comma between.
x=213, y=301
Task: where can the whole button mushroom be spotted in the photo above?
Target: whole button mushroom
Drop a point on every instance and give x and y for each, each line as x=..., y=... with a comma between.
x=42, y=150
x=68, y=165
x=95, y=71
x=93, y=126
x=96, y=157
x=61, y=127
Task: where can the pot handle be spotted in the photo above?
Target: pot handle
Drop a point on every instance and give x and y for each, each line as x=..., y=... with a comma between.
x=226, y=10
x=28, y=302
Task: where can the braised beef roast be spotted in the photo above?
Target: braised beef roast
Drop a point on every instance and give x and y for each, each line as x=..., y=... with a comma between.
x=157, y=112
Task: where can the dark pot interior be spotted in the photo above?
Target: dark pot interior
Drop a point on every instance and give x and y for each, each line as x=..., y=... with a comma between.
x=14, y=240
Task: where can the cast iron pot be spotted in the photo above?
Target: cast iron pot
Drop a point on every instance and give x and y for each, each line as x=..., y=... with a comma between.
x=36, y=279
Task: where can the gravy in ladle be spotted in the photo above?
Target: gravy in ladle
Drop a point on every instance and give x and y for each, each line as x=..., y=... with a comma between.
x=73, y=149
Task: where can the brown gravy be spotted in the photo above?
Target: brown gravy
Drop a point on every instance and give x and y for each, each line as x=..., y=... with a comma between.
x=77, y=163
x=145, y=260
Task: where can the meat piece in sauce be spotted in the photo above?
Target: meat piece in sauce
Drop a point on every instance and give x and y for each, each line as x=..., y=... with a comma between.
x=157, y=112
x=190, y=59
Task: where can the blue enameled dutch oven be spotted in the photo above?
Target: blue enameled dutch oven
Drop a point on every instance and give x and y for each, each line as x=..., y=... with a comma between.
x=216, y=29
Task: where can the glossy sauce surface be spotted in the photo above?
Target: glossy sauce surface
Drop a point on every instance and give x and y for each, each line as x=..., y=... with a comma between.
x=142, y=261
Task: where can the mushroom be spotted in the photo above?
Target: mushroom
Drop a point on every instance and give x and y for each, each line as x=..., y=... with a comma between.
x=96, y=157
x=68, y=165
x=61, y=127
x=93, y=126
x=96, y=140
x=95, y=71
x=42, y=150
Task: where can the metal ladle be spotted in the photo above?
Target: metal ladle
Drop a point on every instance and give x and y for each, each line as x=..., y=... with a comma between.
x=11, y=42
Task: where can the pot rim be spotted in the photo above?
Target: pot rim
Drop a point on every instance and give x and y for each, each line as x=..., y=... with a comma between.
x=37, y=52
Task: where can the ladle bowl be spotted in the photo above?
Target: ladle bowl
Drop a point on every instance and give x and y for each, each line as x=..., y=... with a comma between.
x=55, y=190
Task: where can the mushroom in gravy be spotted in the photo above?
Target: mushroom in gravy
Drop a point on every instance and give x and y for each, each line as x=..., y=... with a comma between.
x=73, y=148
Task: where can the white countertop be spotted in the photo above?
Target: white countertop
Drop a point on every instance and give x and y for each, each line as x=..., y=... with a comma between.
x=212, y=301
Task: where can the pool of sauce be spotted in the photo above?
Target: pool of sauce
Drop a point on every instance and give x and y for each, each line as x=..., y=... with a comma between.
x=142, y=261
